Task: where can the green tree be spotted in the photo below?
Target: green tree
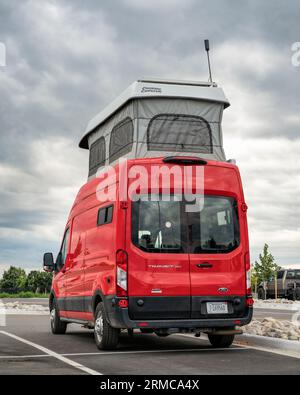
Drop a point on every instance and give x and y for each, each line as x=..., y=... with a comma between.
x=32, y=281
x=44, y=282
x=266, y=268
x=254, y=280
x=13, y=280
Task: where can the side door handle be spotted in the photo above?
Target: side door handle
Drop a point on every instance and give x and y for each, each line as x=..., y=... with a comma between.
x=205, y=265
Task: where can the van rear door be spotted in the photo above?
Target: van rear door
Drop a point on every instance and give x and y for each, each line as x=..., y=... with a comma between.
x=216, y=257
x=158, y=262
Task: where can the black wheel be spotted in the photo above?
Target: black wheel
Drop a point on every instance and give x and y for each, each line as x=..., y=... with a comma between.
x=291, y=296
x=162, y=334
x=106, y=337
x=58, y=327
x=221, y=341
x=261, y=294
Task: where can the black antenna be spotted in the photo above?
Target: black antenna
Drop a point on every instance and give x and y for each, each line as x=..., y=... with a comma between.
x=206, y=44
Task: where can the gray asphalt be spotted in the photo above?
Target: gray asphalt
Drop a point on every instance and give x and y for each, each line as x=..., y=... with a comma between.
x=140, y=354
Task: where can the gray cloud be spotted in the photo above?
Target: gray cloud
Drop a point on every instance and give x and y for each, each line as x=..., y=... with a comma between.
x=67, y=59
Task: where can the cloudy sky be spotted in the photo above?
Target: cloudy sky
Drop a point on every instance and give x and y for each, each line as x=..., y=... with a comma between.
x=67, y=59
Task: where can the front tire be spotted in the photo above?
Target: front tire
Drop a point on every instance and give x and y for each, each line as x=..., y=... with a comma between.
x=221, y=341
x=106, y=337
x=58, y=327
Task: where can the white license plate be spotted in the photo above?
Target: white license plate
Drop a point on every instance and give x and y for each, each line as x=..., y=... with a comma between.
x=217, y=308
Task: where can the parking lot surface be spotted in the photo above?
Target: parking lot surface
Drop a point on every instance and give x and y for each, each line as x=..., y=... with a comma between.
x=27, y=347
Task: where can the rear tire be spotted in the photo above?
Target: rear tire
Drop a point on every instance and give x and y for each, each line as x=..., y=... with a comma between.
x=106, y=337
x=162, y=334
x=58, y=327
x=221, y=341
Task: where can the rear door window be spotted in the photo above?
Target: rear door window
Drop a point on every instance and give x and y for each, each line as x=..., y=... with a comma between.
x=157, y=226
x=215, y=228
x=166, y=226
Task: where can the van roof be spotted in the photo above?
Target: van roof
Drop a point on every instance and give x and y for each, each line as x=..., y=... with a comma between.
x=145, y=88
x=91, y=186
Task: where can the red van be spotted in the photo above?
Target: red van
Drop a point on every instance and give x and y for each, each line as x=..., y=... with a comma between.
x=153, y=265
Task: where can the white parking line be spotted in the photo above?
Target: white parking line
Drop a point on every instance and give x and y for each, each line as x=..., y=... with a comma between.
x=79, y=354
x=53, y=354
x=154, y=351
x=25, y=356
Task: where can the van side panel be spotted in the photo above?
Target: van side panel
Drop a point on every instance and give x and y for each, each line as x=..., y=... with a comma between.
x=74, y=270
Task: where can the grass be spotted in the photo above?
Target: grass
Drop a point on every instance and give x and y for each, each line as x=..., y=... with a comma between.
x=27, y=294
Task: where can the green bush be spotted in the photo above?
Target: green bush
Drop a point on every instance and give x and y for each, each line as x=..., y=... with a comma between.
x=16, y=281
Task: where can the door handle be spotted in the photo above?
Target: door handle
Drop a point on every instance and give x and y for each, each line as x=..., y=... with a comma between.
x=204, y=265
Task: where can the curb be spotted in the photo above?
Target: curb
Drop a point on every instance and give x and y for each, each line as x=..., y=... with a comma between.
x=290, y=348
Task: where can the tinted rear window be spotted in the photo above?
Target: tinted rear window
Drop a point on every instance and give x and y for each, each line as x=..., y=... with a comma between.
x=215, y=228
x=157, y=226
x=160, y=226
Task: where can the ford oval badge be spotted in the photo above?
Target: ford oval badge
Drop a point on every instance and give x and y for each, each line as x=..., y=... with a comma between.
x=223, y=290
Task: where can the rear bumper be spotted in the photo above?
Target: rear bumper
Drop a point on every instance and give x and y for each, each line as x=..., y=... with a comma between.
x=119, y=318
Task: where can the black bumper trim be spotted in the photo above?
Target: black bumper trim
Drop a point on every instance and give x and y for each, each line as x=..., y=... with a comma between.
x=119, y=318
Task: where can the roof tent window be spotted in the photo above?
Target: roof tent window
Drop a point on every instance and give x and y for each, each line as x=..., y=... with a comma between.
x=179, y=133
x=97, y=155
x=121, y=139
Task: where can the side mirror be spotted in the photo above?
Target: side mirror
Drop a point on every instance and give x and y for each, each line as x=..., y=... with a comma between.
x=48, y=263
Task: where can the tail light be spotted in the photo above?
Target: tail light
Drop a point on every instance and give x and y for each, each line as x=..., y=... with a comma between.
x=123, y=303
x=248, y=274
x=249, y=302
x=121, y=261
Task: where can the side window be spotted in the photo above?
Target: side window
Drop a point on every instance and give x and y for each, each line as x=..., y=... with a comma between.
x=179, y=133
x=64, y=249
x=290, y=275
x=280, y=275
x=121, y=139
x=97, y=155
x=105, y=215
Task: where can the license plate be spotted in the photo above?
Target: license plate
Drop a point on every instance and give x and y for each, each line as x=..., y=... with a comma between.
x=217, y=308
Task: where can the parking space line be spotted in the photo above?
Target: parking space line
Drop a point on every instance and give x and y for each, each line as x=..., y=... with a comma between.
x=154, y=351
x=3, y=357
x=25, y=356
x=53, y=354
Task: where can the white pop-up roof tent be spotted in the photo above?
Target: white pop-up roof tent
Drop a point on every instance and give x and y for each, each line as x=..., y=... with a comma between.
x=158, y=118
